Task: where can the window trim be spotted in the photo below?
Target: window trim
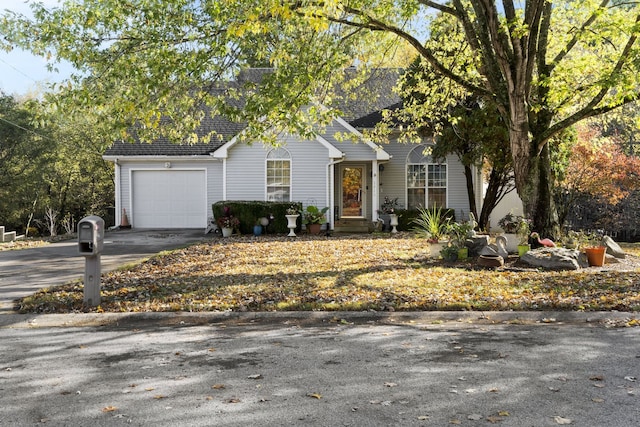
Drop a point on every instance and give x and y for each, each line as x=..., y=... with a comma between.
x=425, y=160
x=280, y=155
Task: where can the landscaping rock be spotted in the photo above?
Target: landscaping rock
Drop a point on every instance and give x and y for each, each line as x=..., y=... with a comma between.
x=613, y=248
x=610, y=259
x=555, y=259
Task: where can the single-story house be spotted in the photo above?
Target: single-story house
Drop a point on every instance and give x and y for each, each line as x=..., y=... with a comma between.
x=166, y=185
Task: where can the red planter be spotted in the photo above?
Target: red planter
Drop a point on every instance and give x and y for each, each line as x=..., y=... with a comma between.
x=596, y=255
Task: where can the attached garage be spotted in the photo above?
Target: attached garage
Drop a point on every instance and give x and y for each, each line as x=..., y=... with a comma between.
x=168, y=198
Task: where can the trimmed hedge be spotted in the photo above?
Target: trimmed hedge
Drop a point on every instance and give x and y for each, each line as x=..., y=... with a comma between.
x=249, y=211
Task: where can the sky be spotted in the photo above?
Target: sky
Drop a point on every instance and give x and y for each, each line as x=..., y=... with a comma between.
x=21, y=72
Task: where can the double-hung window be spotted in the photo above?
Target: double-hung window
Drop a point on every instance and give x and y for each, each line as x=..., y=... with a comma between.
x=426, y=180
x=278, y=175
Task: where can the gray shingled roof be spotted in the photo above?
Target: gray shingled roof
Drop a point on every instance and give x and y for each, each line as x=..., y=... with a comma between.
x=361, y=107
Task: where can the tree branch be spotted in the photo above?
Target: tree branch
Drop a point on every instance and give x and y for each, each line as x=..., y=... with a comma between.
x=374, y=24
x=576, y=37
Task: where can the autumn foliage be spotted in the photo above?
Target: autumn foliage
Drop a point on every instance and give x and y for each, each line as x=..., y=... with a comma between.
x=599, y=167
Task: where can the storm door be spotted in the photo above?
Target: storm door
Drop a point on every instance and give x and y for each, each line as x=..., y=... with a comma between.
x=353, y=191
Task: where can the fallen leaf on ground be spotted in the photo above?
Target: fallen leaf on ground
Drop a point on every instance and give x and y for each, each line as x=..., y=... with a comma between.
x=217, y=386
x=562, y=420
x=314, y=395
x=254, y=377
x=109, y=409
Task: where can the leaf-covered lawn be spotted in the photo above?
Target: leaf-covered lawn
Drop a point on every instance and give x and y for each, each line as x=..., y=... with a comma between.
x=372, y=272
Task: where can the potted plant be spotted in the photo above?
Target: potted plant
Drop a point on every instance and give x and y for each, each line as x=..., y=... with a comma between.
x=228, y=224
x=388, y=208
x=594, y=249
x=523, y=233
x=449, y=252
x=510, y=224
x=314, y=217
x=432, y=224
x=292, y=219
x=459, y=231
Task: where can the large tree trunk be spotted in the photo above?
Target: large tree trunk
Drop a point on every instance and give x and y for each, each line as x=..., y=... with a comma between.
x=534, y=184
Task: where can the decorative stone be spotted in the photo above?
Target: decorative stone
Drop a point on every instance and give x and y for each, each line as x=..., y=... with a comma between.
x=610, y=259
x=555, y=259
x=613, y=248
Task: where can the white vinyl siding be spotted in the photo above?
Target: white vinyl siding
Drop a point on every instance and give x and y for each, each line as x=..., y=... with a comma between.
x=247, y=171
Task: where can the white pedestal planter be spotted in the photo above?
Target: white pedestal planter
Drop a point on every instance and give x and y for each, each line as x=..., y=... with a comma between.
x=292, y=223
x=393, y=221
x=227, y=232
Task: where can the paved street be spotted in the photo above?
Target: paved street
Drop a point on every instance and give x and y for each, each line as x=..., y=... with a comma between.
x=309, y=368
x=320, y=369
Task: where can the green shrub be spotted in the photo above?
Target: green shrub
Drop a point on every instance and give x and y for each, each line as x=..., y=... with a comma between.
x=249, y=211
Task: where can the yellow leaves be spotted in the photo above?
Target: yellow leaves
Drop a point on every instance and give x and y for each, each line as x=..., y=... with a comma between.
x=314, y=395
x=109, y=409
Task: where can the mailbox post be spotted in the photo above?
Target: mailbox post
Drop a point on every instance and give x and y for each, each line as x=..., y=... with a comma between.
x=90, y=243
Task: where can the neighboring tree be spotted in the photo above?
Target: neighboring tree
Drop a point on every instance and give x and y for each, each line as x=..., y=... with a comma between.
x=24, y=158
x=50, y=172
x=546, y=64
x=477, y=135
x=598, y=168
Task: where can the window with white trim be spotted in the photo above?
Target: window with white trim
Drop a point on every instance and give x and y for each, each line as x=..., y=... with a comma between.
x=278, y=175
x=426, y=181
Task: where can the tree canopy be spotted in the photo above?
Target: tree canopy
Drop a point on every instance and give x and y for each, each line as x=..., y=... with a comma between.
x=546, y=64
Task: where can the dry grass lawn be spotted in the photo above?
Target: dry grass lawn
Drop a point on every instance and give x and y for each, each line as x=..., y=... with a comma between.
x=369, y=272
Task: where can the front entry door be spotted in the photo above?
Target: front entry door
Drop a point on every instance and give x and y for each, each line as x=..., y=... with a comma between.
x=353, y=191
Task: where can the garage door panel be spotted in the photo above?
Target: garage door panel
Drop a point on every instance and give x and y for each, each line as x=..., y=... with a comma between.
x=169, y=199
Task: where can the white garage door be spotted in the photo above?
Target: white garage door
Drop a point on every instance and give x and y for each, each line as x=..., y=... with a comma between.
x=169, y=199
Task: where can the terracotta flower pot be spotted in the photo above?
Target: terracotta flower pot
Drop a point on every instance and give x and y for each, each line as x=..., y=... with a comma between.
x=596, y=255
x=314, y=228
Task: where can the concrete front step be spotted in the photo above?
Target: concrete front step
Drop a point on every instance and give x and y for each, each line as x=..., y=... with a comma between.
x=353, y=226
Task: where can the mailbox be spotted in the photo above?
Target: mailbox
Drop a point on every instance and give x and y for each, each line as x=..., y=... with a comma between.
x=90, y=235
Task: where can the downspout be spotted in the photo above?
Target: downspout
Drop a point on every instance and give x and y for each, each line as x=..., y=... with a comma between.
x=224, y=178
x=118, y=212
x=331, y=184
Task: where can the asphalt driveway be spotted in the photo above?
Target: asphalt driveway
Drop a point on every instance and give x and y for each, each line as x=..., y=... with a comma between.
x=23, y=272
